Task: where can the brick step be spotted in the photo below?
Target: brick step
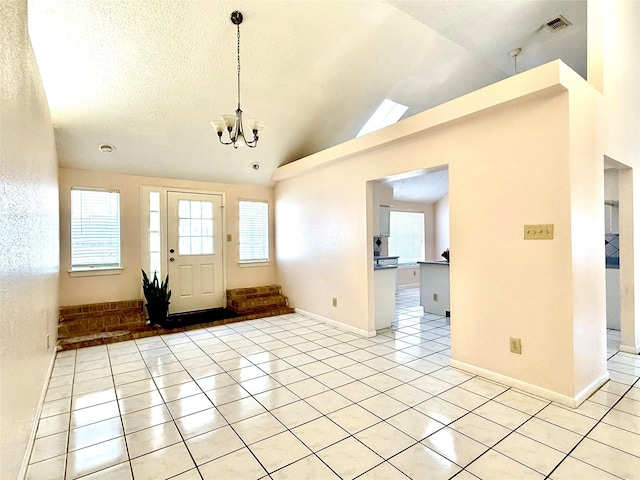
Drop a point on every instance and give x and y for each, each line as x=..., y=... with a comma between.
x=82, y=320
x=254, y=292
x=93, y=339
x=242, y=305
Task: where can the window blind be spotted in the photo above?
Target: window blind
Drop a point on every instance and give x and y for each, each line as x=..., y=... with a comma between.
x=406, y=236
x=253, y=235
x=95, y=229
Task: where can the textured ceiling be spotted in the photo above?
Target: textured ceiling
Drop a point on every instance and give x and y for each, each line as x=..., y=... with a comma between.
x=149, y=75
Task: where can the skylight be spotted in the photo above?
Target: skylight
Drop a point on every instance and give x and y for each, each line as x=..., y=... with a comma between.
x=388, y=113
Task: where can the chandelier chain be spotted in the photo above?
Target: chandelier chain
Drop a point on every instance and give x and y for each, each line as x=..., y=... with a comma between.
x=238, y=26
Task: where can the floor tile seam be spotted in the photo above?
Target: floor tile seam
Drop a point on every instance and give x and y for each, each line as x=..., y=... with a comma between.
x=246, y=445
x=529, y=467
x=420, y=442
x=468, y=436
x=322, y=415
x=173, y=420
x=376, y=466
x=534, y=440
x=67, y=443
x=583, y=437
x=103, y=441
x=353, y=436
x=515, y=390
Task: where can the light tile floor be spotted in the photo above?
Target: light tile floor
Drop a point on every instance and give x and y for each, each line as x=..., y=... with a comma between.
x=291, y=398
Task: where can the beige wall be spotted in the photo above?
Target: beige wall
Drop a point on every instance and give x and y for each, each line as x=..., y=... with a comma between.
x=29, y=239
x=126, y=286
x=515, y=166
x=613, y=67
x=441, y=220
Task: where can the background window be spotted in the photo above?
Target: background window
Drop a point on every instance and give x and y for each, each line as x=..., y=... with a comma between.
x=406, y=236
x=95, y=229
x=253, y=235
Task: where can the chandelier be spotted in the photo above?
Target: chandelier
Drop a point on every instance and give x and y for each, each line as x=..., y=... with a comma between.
x=233, y=123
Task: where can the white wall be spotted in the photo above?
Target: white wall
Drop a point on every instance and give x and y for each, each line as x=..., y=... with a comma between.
x=515, y=166
x=29, y=238
x=94, y=289
x=613, y=67
x=441, y=218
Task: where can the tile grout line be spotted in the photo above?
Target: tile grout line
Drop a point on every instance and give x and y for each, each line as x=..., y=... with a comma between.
x=591, y=429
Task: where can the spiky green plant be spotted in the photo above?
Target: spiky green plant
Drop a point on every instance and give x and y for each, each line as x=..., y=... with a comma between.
x=155, y=292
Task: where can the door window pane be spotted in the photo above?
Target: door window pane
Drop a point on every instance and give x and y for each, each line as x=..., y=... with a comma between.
x=195, y=230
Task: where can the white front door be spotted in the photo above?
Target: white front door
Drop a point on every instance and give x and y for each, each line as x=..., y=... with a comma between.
x=194, y=242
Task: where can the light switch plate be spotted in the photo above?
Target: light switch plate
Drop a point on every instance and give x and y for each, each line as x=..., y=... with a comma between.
x=538, y=232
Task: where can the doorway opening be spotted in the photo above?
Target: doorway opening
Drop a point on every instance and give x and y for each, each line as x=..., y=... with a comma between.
x=620, y=278
x=410, y=228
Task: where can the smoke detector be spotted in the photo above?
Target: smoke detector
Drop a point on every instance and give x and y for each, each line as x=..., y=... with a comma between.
x=558, y=23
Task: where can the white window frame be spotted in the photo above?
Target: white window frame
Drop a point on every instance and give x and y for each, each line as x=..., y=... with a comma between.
x=253, y=261
x=412, y=261
x=90, y=269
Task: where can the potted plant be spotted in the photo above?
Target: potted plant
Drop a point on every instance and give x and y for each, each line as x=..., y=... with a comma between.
x=157, y=295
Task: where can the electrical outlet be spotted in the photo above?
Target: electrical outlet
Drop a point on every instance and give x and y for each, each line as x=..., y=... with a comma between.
x=435, y=297
x=515, y=345
x=335, y=302
x=228, y=237
x=414, y=273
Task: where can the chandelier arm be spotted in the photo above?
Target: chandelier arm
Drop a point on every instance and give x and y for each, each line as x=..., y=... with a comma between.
x=224, y=143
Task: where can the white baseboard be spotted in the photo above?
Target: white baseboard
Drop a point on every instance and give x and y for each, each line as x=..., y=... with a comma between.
x=34, y=427
x=335, y=323
x=633, y=350
x=572, y=402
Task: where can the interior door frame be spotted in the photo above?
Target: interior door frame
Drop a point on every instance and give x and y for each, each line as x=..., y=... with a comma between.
x=145, y=190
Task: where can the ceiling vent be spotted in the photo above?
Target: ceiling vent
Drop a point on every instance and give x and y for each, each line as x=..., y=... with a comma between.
x=558, y=23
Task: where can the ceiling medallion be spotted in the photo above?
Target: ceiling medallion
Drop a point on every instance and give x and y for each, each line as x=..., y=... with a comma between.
x=233, y=123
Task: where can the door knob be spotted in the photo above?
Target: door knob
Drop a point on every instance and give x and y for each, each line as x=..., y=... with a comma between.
x=172, y=259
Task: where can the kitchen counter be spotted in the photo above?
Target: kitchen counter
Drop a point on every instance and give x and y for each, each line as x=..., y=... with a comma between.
x=383, y=262
x=384, y=280
x=434, y=287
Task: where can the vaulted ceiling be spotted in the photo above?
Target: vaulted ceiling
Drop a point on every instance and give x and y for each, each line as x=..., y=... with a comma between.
x=147, y=76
